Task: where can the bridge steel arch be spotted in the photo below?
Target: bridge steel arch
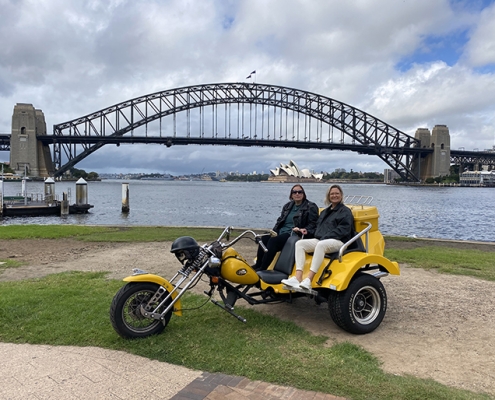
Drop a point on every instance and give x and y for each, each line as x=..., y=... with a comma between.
x=78, y=138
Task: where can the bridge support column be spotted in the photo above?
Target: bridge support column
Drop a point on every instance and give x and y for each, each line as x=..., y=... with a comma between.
x=437, y=163
x=26, y=153
x=422, y=166
x=440, y=141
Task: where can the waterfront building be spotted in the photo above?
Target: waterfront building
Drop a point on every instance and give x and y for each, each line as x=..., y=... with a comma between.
x=477, y=178
x=390, y=176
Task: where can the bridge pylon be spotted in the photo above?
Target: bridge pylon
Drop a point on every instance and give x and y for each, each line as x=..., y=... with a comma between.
x=27, y=154
x=435, y=164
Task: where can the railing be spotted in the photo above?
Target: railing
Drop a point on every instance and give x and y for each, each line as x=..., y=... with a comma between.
x=32, y=197
x=358, y=236
x=358, y=200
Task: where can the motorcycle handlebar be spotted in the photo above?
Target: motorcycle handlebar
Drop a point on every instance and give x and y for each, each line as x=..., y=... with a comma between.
x=256, y=237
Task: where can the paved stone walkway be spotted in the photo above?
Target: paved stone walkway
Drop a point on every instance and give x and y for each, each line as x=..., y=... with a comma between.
x=225, y=387
x=44, y=372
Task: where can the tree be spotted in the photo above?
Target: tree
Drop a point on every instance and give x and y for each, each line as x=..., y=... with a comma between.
x=7, y=169
x=80, y=173
x=92, y=176
x=247, y=178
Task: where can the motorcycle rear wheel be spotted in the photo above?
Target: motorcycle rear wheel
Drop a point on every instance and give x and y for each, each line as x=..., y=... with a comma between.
x=361, y=307
x=125, y=311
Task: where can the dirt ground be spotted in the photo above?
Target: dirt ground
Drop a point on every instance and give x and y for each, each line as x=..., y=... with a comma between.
x=437, y=326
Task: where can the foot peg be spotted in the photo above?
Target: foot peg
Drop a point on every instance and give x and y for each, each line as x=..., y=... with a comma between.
x=299, y=289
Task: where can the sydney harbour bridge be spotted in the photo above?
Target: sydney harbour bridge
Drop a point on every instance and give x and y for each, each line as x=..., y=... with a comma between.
x=230, y=114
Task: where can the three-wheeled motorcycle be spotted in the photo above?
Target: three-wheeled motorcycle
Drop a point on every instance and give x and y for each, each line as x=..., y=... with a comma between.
x=349, y=281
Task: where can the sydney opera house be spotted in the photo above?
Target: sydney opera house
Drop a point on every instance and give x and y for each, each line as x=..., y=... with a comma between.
x=292, y=173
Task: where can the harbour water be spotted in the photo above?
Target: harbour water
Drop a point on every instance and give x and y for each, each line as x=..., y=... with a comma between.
x=431, y=212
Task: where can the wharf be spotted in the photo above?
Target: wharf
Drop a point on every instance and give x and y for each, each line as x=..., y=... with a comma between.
x=36, y=204
x=40, y=208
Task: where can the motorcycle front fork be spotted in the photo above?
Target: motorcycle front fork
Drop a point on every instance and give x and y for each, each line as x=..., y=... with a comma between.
x=181, y=277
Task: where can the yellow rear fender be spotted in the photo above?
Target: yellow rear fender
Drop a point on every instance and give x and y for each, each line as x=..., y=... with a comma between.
x=343, y=272
x=159, y=281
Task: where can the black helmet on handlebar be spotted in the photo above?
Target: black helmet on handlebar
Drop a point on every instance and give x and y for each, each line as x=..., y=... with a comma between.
x=185, y=248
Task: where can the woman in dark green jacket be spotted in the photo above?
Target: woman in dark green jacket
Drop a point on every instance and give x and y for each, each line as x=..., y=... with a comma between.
x=298, y=216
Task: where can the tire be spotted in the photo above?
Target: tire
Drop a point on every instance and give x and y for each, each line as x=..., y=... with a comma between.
x=125, y=311
x=361, y=307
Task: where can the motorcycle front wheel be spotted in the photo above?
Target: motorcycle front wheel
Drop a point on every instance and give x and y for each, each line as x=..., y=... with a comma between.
x=125, y=311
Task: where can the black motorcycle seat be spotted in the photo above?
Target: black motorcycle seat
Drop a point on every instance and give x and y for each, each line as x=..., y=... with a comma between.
x=272, y=277
x=284, y=265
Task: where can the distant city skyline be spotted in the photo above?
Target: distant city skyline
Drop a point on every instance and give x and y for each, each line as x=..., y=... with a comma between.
x=218, y=173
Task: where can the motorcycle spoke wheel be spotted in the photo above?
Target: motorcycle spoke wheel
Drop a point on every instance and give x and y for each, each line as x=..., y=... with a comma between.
x=126, y=315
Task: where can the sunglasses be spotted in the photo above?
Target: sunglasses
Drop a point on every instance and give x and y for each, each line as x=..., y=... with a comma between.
x=297, y=192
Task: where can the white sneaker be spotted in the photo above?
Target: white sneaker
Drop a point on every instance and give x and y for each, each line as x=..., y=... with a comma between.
x=306, y=284
x=292, y=282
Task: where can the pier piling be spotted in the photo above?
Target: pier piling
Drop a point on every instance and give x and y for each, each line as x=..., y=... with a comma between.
x=64, y=206
x=49, y=191
x=81, y=192
x=125, y=198
x=1, y=197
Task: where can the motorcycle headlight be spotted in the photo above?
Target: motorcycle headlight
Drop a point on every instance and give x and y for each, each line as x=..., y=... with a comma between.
x=214, y=262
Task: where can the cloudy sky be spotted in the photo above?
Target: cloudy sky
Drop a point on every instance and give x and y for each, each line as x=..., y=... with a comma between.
x=411, y=63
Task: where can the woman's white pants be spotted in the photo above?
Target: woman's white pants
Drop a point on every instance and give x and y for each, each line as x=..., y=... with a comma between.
x=319, y=249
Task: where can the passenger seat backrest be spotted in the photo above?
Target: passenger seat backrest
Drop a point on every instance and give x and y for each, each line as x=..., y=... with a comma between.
x=285, y=262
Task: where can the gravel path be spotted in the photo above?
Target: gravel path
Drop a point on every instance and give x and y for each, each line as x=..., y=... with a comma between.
x=437, y=326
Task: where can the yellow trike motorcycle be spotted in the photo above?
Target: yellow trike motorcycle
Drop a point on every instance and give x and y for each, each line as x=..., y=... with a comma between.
x=349, y=281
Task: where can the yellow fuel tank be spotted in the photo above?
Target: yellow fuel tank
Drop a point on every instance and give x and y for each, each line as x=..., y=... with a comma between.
x=236, y=269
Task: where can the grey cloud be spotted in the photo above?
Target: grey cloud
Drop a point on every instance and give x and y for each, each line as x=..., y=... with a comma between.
x=481, y=48
x=85, y=56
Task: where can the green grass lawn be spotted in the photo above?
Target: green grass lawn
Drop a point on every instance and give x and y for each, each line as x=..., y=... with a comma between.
x=475, y=263
x=73, y=309
x=106, y=234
